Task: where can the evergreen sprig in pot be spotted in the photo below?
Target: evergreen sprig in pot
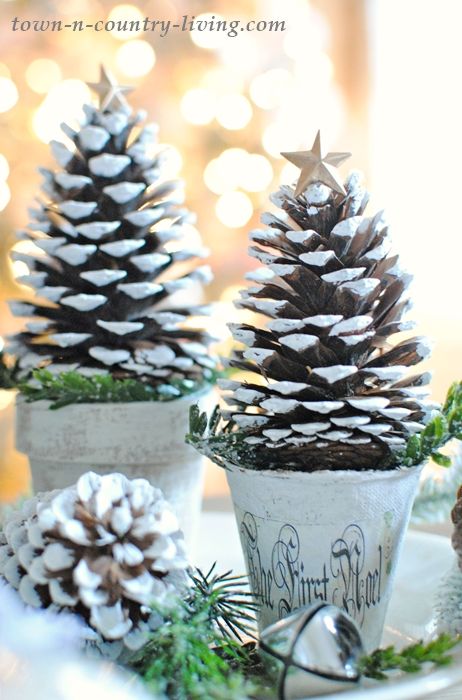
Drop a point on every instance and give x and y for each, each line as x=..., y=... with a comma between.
x=109, y=330
x=324, y=436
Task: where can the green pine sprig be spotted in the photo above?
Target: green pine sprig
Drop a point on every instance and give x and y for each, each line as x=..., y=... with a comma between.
x=231, y=607
x=217, y=440
x=196, y=653
x=71, y=387
x=224, y=443
x=411, y=659
x=443, y=427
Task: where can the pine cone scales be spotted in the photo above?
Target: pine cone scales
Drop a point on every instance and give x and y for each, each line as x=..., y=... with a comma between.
x=456, y=517
x=333, y=392
x=106, y=548
x=108, y=260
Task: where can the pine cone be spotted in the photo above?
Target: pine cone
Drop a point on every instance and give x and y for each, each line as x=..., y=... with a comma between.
x=332, y=391
x=106, y=549
x=456, y=517
x=108, y=259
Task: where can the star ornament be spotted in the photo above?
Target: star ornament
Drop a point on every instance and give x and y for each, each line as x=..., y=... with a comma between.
x=317, y=168
x=108, y=90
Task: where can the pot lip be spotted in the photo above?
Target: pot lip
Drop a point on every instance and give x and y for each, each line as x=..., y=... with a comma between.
x=349, y=475
x=21, y=400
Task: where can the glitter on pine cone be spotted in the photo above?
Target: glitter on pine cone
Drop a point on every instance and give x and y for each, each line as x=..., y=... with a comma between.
x=110, y=254
x=105, y=549
x=332, y=391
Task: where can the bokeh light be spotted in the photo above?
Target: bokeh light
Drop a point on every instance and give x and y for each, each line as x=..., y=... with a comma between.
x=222, y=81
x=234, y=209
x=206, y=38
x=4, y=71
x=235, y=168
x=172, y=162
x=42, y=74
x=125, y=13
x=135, y=58
x=20, y=268
x=279, y=137
x=63, y=103
x=217, y=178
x=234, y=111
x=268, y=90
x=198, y=106
x=257, y=174
x=8, y=94
x=289, y=173
x=222, y=174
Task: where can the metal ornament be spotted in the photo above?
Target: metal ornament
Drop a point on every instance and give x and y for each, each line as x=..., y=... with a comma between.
x=108, y=90
x=317, y=167
x=314, y=651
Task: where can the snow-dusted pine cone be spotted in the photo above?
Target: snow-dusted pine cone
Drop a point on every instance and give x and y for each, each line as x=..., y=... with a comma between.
x=106, y=549
x=109, y=254
x=456, y=517
x=448, y=604
x=332, y=391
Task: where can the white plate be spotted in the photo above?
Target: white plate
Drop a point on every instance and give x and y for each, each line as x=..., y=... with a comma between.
x=424, y=559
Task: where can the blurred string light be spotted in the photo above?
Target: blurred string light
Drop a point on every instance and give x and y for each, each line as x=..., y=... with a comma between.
x=19, y=268
x=289, y=174
x=135, y=58
x=223, y=80
x=243, y=54
x=8, y=94
x=42, y=74
x=63, y=103
x=234, y=168
x=257, y=174
x=4, y=71
x=234, y=209
x=234, y=111
x=172, y=162
x=198, y=106
x=268, y=90
x=278, y=137
x=222, y=174
x=205, y=38
x=126, y=13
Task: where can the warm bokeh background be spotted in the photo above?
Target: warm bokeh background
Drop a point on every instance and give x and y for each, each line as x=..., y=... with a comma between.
x=379, y=77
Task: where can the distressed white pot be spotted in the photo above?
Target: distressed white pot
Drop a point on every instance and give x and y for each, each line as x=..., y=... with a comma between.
x=327, y=535
x=139, y=439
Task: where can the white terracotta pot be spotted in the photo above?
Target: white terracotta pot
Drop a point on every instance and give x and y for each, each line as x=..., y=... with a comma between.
x=327, y=535
x=140, y=439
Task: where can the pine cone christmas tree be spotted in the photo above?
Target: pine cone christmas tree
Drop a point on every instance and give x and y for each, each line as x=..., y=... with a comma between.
x=109, y=257
x=332, y=392
x=105, y=549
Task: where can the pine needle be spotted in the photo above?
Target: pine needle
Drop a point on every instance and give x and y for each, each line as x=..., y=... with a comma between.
x=71, y=387
x=411, y=659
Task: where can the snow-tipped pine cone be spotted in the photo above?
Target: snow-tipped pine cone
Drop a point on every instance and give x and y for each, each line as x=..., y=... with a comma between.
x=105, y=549
x=330, y=390
x=456, y=517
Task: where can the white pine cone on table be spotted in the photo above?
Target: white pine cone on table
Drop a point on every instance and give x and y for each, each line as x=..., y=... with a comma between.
x=106, y=549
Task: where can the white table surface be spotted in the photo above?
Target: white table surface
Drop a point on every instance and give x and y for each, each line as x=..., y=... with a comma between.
x=219, y=541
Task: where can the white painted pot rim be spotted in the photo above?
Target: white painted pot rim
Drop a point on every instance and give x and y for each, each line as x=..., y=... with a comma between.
x=43, y=403
x=349, y=475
